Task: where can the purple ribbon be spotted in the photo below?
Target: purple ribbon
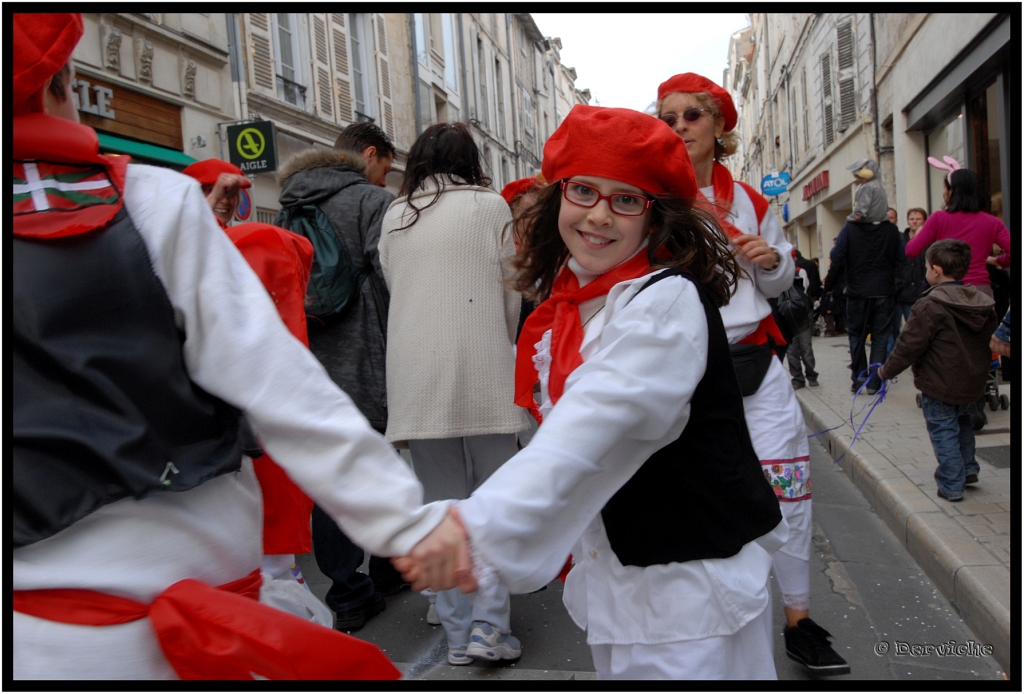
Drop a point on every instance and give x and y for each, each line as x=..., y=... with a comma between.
x=870, y=405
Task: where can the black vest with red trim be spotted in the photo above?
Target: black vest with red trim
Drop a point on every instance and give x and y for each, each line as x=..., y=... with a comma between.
x=104, y=408
x=704, y=495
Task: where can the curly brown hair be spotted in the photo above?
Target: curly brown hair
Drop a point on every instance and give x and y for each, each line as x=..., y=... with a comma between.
x=690, y=235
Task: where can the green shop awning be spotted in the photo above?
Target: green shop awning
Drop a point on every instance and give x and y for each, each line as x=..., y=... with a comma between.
x=142, y=150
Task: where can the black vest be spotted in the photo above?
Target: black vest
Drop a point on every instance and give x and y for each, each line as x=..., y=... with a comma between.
x=704, y=495
x=104, y=408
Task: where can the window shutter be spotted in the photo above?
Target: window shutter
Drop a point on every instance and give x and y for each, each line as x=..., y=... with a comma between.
x=260, y=56
x=342, y=76
x=384, y=72
x=847, y=103
x=827, y=122
x=322, y=63
x=844, y=35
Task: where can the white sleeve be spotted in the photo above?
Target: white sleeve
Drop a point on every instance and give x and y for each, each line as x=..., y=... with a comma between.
x=774, y=282
x=237, y=348
x=628, y=400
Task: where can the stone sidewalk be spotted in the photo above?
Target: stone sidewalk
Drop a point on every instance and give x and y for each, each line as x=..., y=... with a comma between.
x=963, y=547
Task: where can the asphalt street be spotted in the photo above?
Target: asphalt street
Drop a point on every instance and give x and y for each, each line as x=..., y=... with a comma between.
x=880, y=607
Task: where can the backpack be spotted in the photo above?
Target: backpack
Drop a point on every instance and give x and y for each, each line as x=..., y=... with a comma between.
x=794, y=306
x=333, y=280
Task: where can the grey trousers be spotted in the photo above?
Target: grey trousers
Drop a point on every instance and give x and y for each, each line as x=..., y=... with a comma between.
x=800, y=350
x=452, y=469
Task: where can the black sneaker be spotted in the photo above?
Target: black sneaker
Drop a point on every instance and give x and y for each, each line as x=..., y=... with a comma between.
x=856, y=386
x=808, y=644
x=942, y=495
x=813, y=382
x=971, y=479
x=353, y=619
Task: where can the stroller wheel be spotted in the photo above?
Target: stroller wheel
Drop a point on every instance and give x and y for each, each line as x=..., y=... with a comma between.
x=1004, y=402
x=993, y=402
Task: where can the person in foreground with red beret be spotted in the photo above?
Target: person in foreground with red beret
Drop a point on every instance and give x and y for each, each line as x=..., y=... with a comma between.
x=140, y=334
x=642, y=467
x=703, y=116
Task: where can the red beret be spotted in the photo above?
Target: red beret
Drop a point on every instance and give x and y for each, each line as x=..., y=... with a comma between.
x=692, y=83
x=516, y=188
x=623, y=145
x=209, y=170
x=42, y=45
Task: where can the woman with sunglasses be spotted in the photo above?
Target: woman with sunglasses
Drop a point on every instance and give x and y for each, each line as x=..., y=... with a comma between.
x=642, y=467
x=703, y=115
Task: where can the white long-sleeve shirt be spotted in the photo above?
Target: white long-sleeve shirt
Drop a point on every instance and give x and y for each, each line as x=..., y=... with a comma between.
x=643, y=360
x=236, y=348
x=749, y=305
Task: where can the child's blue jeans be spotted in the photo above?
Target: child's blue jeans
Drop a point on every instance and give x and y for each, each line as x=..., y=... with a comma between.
x=952, y=434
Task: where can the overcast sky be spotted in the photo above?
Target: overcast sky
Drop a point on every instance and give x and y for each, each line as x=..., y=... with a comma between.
x=622, y=58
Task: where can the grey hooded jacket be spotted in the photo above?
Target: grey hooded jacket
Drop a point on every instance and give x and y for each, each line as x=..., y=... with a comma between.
x=870, y=201
x=352, y=350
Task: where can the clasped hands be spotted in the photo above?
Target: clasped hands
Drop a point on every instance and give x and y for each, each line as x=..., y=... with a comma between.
x=441, y=560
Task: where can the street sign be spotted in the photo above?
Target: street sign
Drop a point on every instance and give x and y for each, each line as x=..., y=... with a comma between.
x=244, y=209
x=775, y=183
x=252, y=146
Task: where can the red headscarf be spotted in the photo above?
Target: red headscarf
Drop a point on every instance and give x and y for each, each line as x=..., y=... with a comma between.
x=621, y=145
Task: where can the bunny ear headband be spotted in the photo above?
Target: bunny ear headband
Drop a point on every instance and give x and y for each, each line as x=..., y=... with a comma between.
x=948, y=163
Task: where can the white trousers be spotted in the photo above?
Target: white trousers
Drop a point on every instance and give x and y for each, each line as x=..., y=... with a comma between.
x=745, y=655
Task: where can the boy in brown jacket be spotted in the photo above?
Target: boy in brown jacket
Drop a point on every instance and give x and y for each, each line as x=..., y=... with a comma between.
x=945, y=340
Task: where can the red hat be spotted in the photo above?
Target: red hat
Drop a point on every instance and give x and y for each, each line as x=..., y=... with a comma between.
x=209, y=170
x=623, y=145
x=692, y=83
x=42, y=45
x=516, y=188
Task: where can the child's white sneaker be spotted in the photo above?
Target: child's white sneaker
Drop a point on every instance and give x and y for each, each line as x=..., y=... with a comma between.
x=488, y=643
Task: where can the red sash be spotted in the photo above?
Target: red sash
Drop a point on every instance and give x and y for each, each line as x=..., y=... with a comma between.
x=220, y=633
x=560, y=313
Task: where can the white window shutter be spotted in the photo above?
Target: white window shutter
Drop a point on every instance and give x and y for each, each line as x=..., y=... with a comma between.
x=322, y=65
x=386, y=110
x=260, y=56
x=342, y=73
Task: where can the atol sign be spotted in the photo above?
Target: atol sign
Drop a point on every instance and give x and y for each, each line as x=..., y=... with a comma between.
x=817, y=184
x=253, y=146
x=775, y=183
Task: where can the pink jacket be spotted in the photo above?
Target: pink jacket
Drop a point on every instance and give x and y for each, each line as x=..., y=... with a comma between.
x=978, y=229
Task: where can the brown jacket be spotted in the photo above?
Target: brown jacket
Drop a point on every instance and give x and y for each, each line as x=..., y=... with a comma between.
x=945, y=340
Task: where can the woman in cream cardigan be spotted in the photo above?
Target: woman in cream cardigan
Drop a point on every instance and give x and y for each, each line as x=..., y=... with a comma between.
x=450, y=364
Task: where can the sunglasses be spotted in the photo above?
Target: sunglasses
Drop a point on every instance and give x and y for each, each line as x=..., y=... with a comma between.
x=690, y=115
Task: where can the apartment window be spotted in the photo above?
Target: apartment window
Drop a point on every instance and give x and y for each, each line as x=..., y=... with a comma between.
x=450, y=71
x=421, y=38
x=289, y=73
x=436, y=34
x=805, y=106
x=481, y=77
x=499, y=93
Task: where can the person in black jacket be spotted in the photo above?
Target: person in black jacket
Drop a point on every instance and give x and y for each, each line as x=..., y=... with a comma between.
x=813, y=287
x=868, y=256
x=910, y=281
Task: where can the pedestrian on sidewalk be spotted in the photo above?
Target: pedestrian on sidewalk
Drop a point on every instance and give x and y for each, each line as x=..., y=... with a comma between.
x=965, y=218
x=946, y=341
x=867, y=253
x=347, y=185
x=704, y=116
x=910, y=281
x=796, y=308
x=671, y=568
x=444, y=249
x=141, y=334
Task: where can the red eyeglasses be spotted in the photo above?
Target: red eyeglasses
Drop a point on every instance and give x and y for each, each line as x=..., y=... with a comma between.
x=625, y=204
x=690, y=115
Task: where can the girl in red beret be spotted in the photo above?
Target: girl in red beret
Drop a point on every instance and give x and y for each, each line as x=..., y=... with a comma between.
x=703, y=116
x=642, y=467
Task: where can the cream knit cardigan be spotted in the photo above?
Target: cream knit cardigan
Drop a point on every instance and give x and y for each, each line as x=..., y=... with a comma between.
x=451, y=321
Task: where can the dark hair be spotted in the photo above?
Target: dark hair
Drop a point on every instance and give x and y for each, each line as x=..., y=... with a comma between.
x=359, y=136
x=912, y=210
x=965, y=191
x=58, y=85
x=443, y=151
x=690, y=235
x=952, y=255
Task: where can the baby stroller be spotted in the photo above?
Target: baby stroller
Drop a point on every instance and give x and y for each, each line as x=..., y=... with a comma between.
x=991, y=397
